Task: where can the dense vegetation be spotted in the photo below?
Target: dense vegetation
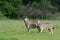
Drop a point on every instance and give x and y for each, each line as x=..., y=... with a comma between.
x=46, y=9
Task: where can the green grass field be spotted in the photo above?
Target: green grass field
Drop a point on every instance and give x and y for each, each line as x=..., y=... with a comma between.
x=16, y=30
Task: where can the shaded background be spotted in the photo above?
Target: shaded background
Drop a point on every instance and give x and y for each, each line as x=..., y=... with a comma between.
x=41, y=9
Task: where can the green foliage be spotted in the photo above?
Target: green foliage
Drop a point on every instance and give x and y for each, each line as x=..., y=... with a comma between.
x=2, y=16
x=35, y=4
x=9, y=8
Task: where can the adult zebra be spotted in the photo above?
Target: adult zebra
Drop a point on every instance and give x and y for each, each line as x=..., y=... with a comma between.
x=44, y=26
x=30, y=24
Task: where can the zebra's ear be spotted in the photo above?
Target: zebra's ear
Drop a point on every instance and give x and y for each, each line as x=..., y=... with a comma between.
x=38, y=21
x=24, y=16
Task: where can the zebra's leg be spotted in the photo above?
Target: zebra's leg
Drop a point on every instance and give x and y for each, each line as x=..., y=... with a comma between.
x=41, y=30
x=28, y=27
x=51, y=31
x=38, y=29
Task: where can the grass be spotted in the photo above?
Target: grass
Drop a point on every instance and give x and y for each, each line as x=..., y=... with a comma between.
x=16, y=30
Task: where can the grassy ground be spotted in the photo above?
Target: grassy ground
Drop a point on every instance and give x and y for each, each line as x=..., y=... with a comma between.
x=16, y=30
